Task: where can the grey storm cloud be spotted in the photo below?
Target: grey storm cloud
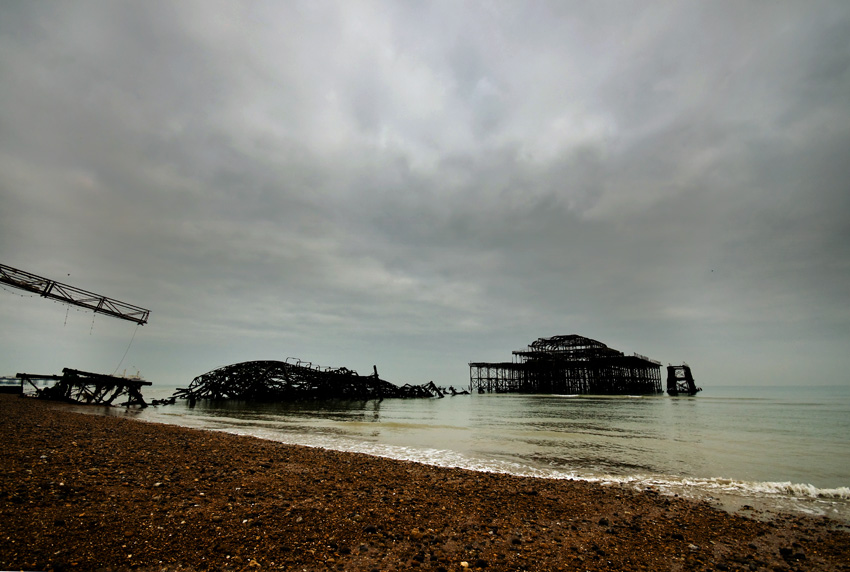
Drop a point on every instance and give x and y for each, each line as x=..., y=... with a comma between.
x=424, y=184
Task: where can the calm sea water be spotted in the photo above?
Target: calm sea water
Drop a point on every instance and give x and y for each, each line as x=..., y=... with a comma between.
x=777, y=449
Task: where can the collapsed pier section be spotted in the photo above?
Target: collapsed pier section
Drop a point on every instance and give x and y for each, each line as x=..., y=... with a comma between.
x=281, y=381
x=568, y=365
x=85, y=387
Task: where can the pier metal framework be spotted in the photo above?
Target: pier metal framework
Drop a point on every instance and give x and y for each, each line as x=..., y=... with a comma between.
x=680, y=381
x=75, y=386
x=568, y=365
x=294, y=380
x=52, y=289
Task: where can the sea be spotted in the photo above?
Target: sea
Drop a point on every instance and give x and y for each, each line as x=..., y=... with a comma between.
x=762, y=450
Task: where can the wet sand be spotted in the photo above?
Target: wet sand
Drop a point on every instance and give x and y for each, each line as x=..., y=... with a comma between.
x=87, y=492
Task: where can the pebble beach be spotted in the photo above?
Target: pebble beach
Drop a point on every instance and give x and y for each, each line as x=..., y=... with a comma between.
x=90, y=492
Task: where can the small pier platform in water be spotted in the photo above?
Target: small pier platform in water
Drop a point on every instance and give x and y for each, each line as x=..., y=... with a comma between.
x=568, y=365
x=680, y=381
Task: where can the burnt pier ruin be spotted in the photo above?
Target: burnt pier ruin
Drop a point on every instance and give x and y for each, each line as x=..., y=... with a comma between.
x=292, y=380
x=568, y=365
x=680, y=381
x=85, y=387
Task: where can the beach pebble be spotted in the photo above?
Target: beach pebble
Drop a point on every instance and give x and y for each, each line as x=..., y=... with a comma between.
x=430, y=518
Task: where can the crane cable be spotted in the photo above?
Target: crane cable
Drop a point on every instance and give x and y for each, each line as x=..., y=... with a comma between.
x=128, y=349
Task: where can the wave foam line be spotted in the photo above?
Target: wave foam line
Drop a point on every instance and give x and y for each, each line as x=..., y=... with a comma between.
x=786, y=488
x=452, y=459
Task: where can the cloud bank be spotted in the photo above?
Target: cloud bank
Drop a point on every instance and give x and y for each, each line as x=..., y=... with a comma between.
x=419, y=185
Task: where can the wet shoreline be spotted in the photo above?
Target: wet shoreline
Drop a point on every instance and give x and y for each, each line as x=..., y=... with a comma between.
x=93, y=492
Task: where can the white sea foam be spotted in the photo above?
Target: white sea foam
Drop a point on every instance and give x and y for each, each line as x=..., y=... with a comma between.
x=697, y=487
x=787, y=488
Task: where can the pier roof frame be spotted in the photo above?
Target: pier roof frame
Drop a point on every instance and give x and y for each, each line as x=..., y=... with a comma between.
x=570, y=347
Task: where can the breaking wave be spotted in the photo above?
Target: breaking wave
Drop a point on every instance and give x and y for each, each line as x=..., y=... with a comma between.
x=786, y=488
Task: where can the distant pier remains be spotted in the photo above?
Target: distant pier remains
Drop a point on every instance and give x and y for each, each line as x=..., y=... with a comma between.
x=680, y=381
x=568, y=365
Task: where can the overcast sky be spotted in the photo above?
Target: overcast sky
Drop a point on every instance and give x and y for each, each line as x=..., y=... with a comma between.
x=418, y=185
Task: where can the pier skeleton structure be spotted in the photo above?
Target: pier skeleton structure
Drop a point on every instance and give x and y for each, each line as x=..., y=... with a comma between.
x=293, y=379
x=568, y=365
x=85, y=387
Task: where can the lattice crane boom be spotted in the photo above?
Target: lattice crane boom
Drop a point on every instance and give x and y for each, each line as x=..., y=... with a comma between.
x=52, y=289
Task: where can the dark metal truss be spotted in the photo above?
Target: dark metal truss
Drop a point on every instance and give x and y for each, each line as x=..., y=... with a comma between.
x=72, y=295
x=75, y=386
x=568, y=364
x=680, y=381
x=293, y=380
